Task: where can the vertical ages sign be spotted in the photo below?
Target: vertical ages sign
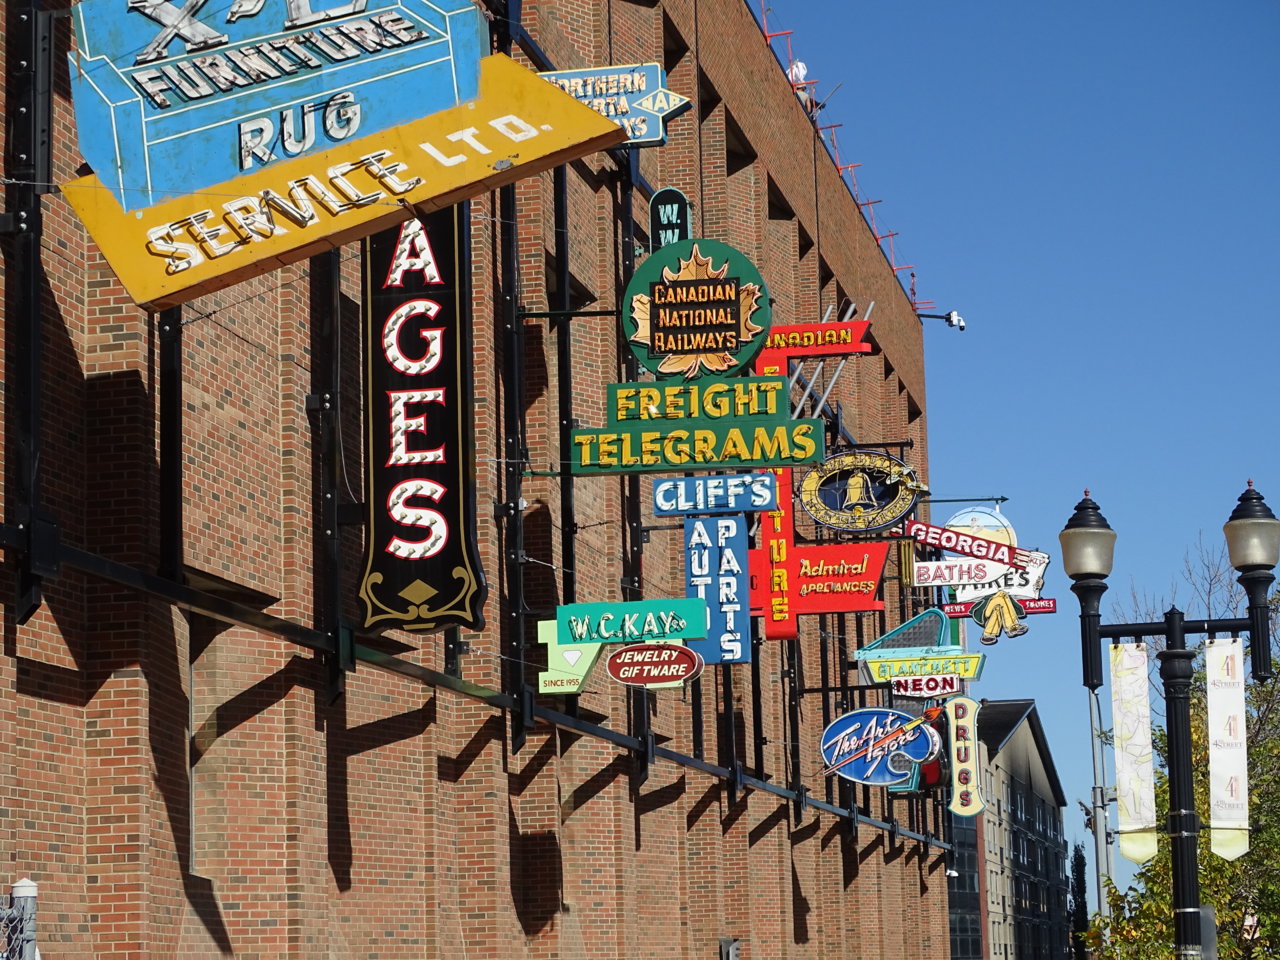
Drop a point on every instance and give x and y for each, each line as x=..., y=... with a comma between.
x=422, y=569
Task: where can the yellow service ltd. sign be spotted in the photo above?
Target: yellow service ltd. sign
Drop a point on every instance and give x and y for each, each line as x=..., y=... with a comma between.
x=167, y=254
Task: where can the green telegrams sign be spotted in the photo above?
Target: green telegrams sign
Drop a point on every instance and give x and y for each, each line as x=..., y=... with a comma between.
x=709, y=424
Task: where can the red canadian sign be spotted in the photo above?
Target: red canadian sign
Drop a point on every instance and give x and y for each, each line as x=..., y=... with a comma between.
x=967, y=543
x=644, y=664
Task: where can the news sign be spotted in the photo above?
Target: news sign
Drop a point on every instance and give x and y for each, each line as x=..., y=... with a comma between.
x=171, y=98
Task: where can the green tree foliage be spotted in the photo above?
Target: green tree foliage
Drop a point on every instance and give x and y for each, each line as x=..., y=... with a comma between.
x=1245, y=892
x=1079, y=906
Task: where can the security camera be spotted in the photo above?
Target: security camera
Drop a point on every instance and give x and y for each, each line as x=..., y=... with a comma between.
x=955, y=320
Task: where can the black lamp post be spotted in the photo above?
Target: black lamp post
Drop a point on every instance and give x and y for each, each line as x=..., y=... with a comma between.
x=1253, y=544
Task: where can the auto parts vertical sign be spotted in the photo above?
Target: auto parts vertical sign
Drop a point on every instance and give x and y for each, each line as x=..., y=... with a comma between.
x=422, y=569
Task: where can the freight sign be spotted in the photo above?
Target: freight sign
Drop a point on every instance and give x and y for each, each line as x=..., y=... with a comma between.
x=710, y=424
x=633, y=96
x=715, y=552
x=734, y=493
x=172, y=99
x=966, y=793
x=180, y=249
x=653, y=664
x=669, y=218
x=694, y=308
x=422, y=565
x=878, y=746
x=861, y=491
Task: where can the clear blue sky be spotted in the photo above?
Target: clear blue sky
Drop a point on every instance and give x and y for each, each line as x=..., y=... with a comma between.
x=1093, y=186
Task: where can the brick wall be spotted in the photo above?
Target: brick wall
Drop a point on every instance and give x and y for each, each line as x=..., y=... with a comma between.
x=183, y=788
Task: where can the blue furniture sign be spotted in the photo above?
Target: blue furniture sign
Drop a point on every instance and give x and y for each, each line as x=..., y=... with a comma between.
x=722, y=493
x=172, y=98
x=878, y=746
x=633, y=96
x=716, y=571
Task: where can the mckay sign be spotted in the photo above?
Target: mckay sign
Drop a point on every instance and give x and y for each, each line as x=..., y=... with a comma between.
x=580, y=631
x=173, y=98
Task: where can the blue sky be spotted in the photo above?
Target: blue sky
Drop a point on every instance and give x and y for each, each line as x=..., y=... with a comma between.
x=1093, y=186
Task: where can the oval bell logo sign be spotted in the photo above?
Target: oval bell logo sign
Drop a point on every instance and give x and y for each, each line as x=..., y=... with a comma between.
x=861, y=490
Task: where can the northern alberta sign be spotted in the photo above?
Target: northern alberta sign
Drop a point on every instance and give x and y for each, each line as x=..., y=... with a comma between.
x=180, y=249
x=172, y=98
x=634, y=96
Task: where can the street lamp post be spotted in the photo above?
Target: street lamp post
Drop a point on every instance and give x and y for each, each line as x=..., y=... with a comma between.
x=1253, y=545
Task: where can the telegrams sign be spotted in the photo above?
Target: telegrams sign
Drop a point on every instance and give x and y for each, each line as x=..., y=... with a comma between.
x=172, y=99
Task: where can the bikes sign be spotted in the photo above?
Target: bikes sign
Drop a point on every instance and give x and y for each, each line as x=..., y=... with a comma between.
x=878, y=746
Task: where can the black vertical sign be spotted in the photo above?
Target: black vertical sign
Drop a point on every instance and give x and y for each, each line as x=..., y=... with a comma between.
x=669, y=218
x=422, y=569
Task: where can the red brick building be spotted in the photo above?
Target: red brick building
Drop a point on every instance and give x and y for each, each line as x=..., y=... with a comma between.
x=188, y=771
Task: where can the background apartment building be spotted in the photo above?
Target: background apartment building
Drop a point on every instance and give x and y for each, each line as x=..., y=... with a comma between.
x=1009, y=894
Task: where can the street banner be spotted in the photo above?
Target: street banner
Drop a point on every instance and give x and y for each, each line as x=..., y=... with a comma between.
x=1228, y=758
x=1131, y=718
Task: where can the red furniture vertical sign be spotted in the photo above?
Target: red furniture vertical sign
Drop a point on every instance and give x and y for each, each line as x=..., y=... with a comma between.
x=422, y=569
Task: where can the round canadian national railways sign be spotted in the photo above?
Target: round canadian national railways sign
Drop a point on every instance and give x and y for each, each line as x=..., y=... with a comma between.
x=696, y=307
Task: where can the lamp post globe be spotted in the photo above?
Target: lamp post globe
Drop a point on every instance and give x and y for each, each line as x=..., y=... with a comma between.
x=1253, y=544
